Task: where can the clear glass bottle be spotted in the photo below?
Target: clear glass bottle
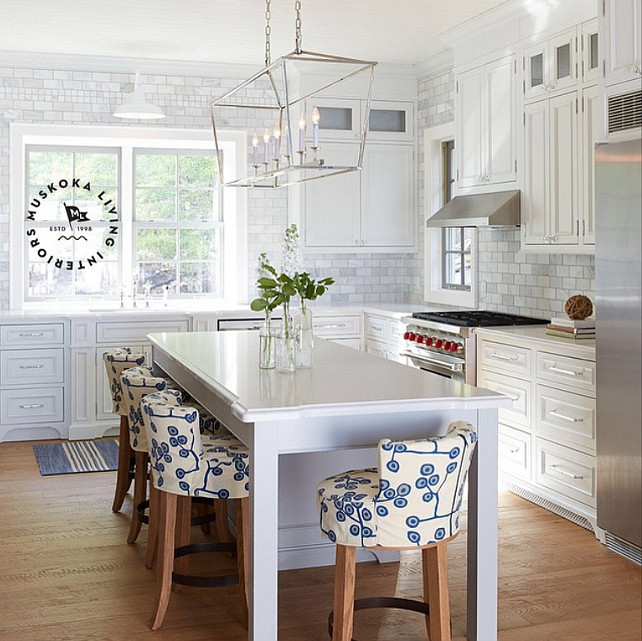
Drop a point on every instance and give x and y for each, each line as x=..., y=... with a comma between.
x=304, y=337
x=267, y=343
x=286, y=343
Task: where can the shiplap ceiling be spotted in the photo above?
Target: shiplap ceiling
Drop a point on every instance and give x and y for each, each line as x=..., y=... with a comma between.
x=231, y=31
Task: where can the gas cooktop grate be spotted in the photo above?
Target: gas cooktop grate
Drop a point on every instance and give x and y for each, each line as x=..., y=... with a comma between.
x=478, y=318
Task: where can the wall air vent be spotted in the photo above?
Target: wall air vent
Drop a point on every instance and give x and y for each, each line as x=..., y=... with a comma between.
x=625, y=111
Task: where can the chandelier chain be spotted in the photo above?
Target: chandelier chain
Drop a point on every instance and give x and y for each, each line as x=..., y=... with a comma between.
x=298, y=37
x=268, y=32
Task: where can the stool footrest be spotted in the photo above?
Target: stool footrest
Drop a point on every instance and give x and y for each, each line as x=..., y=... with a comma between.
x=383, y=602
x=204, y=581
x=140, y=511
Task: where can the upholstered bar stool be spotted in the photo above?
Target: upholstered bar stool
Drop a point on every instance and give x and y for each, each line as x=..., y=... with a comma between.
x=186, y=464
x=116, y=362
x=412, y=501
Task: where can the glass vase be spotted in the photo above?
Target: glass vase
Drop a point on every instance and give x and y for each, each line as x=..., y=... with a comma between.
x=267, y=344
x=304, y=338
x=286, y=343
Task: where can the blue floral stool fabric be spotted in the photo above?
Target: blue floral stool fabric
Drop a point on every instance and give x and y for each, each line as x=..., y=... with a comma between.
x=412, y=500
x=116, y=362
x=189, y=461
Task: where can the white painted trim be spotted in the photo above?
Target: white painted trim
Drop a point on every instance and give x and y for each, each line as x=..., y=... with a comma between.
x=433, y=291
x=235, y=205
x=441, y=61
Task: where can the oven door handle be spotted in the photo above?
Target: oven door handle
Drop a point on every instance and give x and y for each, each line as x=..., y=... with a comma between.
x=451, y=367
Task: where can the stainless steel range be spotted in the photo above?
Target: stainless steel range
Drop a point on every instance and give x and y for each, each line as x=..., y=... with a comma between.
x=444, y=342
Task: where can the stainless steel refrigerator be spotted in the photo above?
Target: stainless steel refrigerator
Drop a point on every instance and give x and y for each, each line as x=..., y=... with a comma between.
x=618, y=207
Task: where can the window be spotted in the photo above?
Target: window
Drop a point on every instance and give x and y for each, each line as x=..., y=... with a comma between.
x=449, y=252
x=98, y=213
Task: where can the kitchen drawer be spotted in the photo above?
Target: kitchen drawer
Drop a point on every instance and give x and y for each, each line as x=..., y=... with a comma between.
x=378, y=348
x=124, y=333
x=565, y=417
x=518, y=390
x=44, y=405
x=506, y=358
x=326, y=326
x=566, y=471
x=396, y=331
x=514, y=451
x=376, y=328
x=573, y=372
x=32, y=366
x=32, y=335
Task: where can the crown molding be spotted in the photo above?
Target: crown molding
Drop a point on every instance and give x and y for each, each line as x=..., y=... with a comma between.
x=437, y=63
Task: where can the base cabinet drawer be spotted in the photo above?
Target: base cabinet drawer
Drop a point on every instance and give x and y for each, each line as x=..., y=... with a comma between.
x=378, y=348
x=35, y=366
x=506, y=358
x=327, y=326
x=574, y=372
x=518, y=390
x=566, y=471
x=124, y=333
x=514, y=452
x=32, y=335
x=376, y=327
x=43, y=405
x=565, y=417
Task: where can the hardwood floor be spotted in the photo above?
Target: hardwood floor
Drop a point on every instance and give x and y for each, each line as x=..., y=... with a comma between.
x=66, y=574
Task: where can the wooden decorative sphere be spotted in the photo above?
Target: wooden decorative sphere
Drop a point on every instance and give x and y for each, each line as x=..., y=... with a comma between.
x=578, y=307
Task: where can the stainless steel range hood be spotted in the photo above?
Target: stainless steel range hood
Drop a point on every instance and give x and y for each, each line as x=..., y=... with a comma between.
x=479, y=210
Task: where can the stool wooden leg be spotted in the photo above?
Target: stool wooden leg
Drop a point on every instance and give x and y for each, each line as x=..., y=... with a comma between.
x=344, y=578
x=202, y=510
x=222, y=526
x=122, y=474
x=152, y=526
x=435, y=575
x=167, y=503
x=183, y=525
x=242, y=520
x=140, y=494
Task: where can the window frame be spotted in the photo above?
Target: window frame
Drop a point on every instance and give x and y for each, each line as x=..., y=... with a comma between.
x=434, y=255
x=234, y=267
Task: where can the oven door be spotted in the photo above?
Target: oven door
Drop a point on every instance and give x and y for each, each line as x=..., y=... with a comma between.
x=443, y=365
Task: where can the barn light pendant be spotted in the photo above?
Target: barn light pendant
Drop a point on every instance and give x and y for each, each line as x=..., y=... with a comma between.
x=278, y=102
x=135, y=105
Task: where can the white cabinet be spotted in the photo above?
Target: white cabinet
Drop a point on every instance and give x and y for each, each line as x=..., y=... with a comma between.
x=622, y=35
x=344, y=329
x=547, y=437
x=384, y=337
x=550, y=66
x=551, y=173
x=372, y=209
x=590, y=52
x=485, y=143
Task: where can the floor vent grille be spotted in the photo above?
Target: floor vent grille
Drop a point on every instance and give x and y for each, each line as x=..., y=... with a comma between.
x=624, y=548
x=625, y=111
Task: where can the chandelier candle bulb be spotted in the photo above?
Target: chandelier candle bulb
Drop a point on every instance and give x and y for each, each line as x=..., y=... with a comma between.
x=302, y=133
x=255, y=150
x=266, y=147
x=277, y=142
x=316, y=118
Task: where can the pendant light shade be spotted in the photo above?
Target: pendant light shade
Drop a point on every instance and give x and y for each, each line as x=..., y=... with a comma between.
x=136, y=107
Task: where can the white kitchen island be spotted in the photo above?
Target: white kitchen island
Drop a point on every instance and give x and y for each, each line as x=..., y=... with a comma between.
x=347, y=400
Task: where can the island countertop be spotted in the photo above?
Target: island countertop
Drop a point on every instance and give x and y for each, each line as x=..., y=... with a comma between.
x=342, y=380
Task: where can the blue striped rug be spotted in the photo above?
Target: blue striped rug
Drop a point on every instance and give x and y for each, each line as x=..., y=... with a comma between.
x=71, y=457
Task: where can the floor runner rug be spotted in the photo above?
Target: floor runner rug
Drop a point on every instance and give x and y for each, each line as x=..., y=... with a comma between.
x=71, y=457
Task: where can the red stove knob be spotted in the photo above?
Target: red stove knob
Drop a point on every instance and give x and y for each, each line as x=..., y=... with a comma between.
x=455, y=347
x=447, y=345
x=406, y=336
x=411, y=336
x=420, y=338
x=439, y=343
x=428, y=341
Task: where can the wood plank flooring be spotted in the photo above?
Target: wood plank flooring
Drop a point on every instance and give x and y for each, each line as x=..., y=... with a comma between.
x=66, y=574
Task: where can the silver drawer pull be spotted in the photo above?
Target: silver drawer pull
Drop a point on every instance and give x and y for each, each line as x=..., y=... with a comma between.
x=32, y=406
x=563, y=472
x=501, y=357
x=513, y=450
x=568, y=372
x=37, y=366
x=566, y=417
x=331, y=326
x=31, y=334
x=512, y=398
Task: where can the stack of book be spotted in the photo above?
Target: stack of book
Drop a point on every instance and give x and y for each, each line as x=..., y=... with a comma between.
x=568, y=328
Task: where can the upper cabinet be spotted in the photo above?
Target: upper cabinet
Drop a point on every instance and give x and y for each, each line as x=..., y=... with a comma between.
x=486, y=149
x=622, y=40
x=590, y=52
x=550, y=66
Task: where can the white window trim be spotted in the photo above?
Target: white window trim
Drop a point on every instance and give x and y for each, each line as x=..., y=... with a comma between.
x=434, y=292
x=235, y=286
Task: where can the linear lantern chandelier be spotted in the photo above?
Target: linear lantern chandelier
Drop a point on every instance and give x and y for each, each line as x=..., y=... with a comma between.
x=278, y=102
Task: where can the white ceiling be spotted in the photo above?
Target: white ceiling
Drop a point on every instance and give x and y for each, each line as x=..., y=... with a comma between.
x=231, y=31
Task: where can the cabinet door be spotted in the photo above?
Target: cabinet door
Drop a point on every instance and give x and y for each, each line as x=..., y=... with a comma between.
x=563, y=61
x=535, y=78
x=332, y=207
x=536, y=174
x=564, y=175
x=592, y=132
x=387, y=212
x=499, y=117
x=623, y=24
x=470, y=129
x=390, y=121
x=590, y=52
x=338, y=119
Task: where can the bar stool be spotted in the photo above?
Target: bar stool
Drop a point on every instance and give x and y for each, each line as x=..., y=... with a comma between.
x=412, y=501
x=186, y=464
x=117, y=361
